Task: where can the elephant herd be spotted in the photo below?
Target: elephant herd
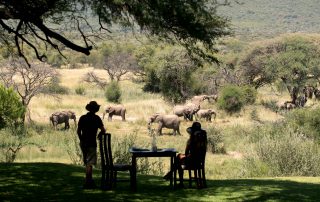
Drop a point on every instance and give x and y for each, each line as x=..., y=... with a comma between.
x=186, y=111
x=300, y=101
x=171, y=121
x=64, y=116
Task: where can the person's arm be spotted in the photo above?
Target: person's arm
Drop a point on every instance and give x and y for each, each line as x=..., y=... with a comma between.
x=79, y=129
x=101, y=127
x=187, y=151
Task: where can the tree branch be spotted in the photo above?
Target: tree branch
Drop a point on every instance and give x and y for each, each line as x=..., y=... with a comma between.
x=69, y=44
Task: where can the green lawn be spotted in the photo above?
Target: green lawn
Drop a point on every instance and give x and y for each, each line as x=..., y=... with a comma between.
x=61, y=182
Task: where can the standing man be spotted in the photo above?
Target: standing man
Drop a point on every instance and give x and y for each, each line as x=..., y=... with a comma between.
x=87, y=132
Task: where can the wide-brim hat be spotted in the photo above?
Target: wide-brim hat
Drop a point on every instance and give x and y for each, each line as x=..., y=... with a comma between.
x=195, y=126
x=92, y=106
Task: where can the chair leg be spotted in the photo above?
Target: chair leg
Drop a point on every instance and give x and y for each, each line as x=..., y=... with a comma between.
x=199, y=181
x=107, y=179
x=190, y=178
x=196, y=179
x=204, y=178
x=115, y=178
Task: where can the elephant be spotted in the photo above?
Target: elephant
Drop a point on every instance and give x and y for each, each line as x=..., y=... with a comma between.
x=71, y=115
x=199, y=98
x=117, y=110
x=213, y=97
x=309, y=91
x=62, y=117
x=170, y=121
x=187, y=110
x=205, y=113
x=287, y=105
x=317, y=94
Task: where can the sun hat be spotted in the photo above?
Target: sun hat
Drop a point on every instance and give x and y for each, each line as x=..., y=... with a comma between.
x=92, y=106
x=195, y=126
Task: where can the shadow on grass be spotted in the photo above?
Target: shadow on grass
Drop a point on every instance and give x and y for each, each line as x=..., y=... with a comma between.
x=61, y=182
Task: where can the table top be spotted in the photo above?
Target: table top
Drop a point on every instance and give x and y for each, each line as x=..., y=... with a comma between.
x=149, y=153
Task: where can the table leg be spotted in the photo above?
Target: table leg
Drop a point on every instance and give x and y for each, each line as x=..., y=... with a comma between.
x=172, y=169
x=174, y=172
x=133, y=176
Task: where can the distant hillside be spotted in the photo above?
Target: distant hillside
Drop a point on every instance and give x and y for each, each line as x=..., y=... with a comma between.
x=267, y=18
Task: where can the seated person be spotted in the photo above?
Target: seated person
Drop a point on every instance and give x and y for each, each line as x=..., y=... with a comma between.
x=189, y=158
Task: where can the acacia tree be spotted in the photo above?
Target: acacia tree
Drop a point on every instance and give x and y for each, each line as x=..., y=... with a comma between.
x=33, y=22
x=172, y=70
x=293, y=60
x=27, y=82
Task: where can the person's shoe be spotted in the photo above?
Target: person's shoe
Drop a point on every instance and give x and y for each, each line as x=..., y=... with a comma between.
x=167, y=176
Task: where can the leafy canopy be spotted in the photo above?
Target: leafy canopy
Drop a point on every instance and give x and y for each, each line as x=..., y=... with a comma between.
x=32, y=22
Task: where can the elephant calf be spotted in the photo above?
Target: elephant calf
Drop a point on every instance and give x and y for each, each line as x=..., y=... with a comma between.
x=165, y=121
x=62, y=117
x=206, y=113
x=117, y=110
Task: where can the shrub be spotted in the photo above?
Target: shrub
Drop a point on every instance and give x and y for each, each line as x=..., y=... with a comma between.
x=249, y=94
x=283, y=151
x=11, y=108
x=152, y=82
x=215, y=141
x=72, y=146
x=306, y=121
x=113, y=92
x=80, y=90
x=231, y=99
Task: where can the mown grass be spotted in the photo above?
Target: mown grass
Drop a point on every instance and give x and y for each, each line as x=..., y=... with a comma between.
x=63, y=182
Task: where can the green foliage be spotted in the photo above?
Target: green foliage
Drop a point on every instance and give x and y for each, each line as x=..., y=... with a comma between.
x=80, y=90
x=306, y=121
x=11, y=109
x=152, y=83
x=249, y=94
x=113, y=92
x=291, y=59
x=231, y=99
x=285, y=151
x=215, y=141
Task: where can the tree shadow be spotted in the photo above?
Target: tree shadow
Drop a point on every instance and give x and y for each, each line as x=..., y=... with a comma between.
x=61, y=182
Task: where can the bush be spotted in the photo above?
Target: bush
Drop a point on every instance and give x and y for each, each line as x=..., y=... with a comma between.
x=231, y=99
x=249, y=94
x=152, y=82
x=11, y=108
x=306, y=121
x=113, y=92
x=215, y=141
x=80, y=90
x=284, y=151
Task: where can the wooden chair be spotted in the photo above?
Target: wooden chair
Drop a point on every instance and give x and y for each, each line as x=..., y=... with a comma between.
x=197, y=163
x=109, y=170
